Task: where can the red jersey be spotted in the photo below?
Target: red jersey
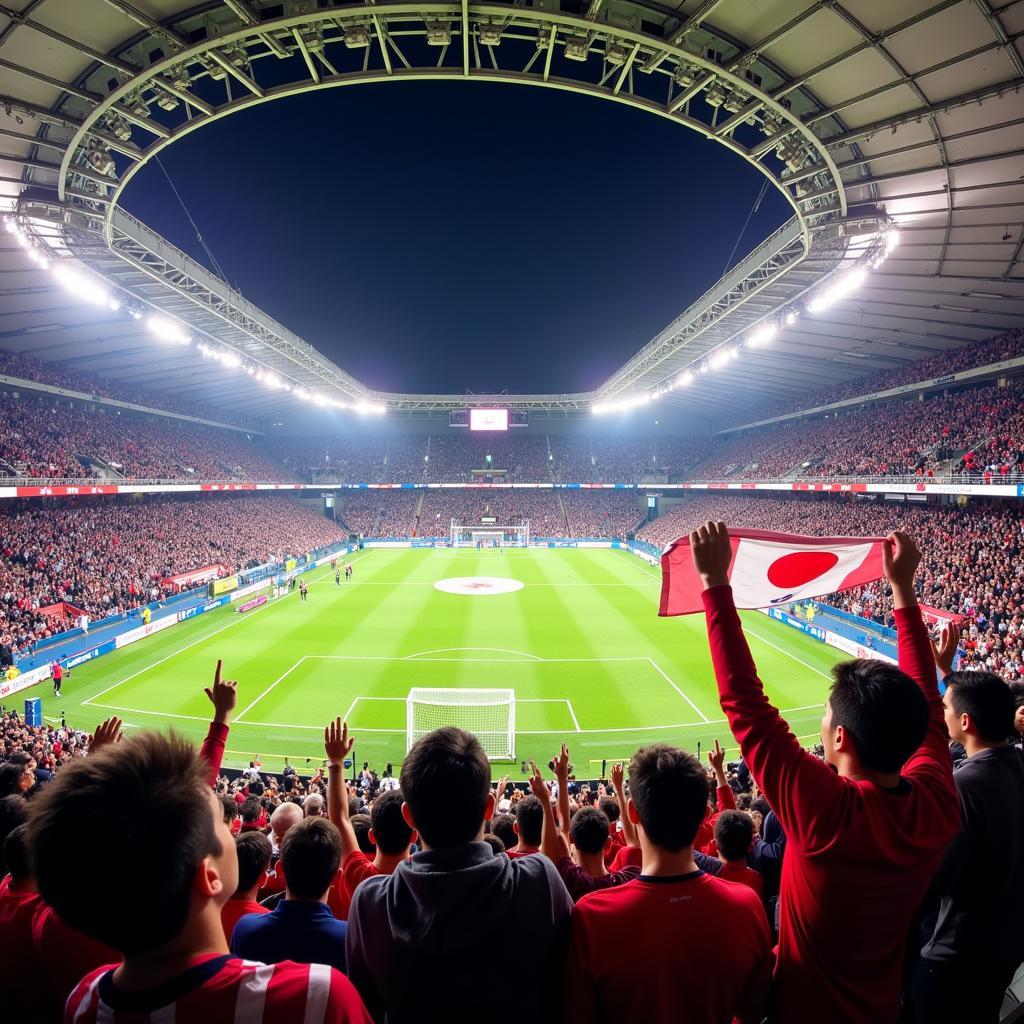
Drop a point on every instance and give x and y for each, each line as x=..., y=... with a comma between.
x=355, y=868
x=67, y=953
x=521, y=853
x=224, y=988
x=743, y=875
x=233, y=910
x=699, y=950
x=859, y=858
x=23, y=976
x=626, y=856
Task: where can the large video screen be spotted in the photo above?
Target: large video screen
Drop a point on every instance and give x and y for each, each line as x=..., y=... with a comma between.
x=488, y=419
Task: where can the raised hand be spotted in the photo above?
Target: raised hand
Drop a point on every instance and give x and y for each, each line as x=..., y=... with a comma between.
x=716, y=758
x=337, y=742
x=562, y=764
x=106, y=734
x=900, y=559
x=618, y=778
x=223, y=695
x=537, y=785
x=712, y=553
x=945, y=650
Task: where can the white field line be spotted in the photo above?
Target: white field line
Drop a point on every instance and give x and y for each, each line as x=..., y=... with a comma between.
x=497, y=650
x=348, y=714
x=526, y=585
x=181, y=650
x=664, y=675
x=575, y=720
x=284, y=675
x=782, y=650
x=471, y=661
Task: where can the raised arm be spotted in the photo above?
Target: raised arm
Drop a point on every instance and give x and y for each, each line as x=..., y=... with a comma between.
x=619, y=785
x=337, y=746
x=803, y=790
x=223, y=695
x=562, y=777
x=553, y=843
x=725, y=798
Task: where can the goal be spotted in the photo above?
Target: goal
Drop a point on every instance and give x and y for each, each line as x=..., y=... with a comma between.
x=489, y=714
x=467, y=535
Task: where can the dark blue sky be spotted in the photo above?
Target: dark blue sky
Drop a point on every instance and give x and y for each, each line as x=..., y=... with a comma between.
x=443, y=236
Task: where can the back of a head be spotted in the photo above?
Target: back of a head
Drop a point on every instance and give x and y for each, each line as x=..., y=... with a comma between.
x=285, y=817
x=13, y=812
x=230, y=806
x=496, y=845
x=503, y=826
x=390, y=829
x=150, y=797
x=311, y=855
x=882, y=709
x=313, y=806
x=530, y=819
x=669, y=790
x=18, y=856
x=734, y=832
x=361, y=826
x=1017, y=692
x=10, y=779
x=986, y=699
x=446, y=781
x=254, y=852
x=250, y=811
x=610, y=807
x=588, y=828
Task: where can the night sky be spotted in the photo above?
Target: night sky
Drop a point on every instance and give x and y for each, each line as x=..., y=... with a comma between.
x=447, y=236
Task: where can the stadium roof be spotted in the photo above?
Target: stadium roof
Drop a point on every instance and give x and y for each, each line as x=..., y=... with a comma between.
x=862, y=114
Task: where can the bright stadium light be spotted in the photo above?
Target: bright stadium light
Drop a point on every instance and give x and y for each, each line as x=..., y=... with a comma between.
x=167, y=329
x=684, y=379
x=371, y=408
x=272, y=380
x=81, y=286
x=719, y=359
x=846, y=284
x=791, y=318
x=761, y=335
x=230, y=360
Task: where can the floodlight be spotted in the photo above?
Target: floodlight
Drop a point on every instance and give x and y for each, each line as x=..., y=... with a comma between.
x=577, y=48
x=439, y=33
x=719, y=359
x=490, y=34
x=167, y=329
x=356, y=36
x=81, y=286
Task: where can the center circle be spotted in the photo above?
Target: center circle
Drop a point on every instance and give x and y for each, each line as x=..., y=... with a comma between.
x=800, y=567
x=478, y=586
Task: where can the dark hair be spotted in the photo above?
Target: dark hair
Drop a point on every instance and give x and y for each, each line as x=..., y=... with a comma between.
x=882, y=709
x=254, y=853
x=150, y=797
x=669, y=789
x=734, y=832
x=610, y=807
x=530, y=819
x=503, y=826
x=588, y=828
x=987, y=699
x=230, y=805
x=496, y=845
x=760, y=804
x=361, y=824
x=390, y=829
x=250, y=811
x=311, y=855
x=10, y=779
x=17, y=854
x=446, y=780
x=13, y=812
x=1017, y=691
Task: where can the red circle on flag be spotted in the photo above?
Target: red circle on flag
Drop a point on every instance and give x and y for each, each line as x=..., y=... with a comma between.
x=800, y=567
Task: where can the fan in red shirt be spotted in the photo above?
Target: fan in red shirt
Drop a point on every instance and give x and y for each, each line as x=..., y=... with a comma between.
x=389, y=831
x=734, y=836
x=529, y=820
x=23, y=976
x=253, y=852
x=866, y=831
x=699, y=948
x=172, y=865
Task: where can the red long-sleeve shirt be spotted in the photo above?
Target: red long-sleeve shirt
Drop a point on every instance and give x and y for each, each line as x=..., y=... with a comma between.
x=859, y=858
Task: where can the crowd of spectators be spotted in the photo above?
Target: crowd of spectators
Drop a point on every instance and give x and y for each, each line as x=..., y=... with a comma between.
x=602, y=513
x=52, y=438
x=26, y=367
x=1009, y=345
x=971, y=567
x=107, y=555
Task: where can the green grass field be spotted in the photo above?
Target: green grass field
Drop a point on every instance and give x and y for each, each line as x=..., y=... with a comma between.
x=581, y=644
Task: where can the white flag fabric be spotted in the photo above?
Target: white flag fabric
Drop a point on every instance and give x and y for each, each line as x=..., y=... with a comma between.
x=772, y=568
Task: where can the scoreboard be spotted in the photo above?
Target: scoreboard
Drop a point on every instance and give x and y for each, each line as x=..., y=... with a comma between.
x=488, y=419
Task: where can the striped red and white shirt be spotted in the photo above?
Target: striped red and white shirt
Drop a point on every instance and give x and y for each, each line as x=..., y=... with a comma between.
x=223, y=988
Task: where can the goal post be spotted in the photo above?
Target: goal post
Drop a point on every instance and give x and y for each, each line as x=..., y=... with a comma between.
x=471, y=535
x=489, y=714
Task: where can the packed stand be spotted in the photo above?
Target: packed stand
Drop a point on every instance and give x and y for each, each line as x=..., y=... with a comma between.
x=26, y=367
x=52, y=439
x=602, y=513
x=105, y=556
x=353, y=459
x=971, y=567
x=380, y=513
x=1009, y=345
x=509, y=507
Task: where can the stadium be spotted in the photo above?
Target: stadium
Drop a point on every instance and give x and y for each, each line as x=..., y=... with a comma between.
x=361, y=452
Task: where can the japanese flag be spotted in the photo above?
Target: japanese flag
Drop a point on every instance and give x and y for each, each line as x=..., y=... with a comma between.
x=772, y=568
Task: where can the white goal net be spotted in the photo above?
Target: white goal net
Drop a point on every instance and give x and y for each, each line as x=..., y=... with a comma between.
x=470, y=535
x=489, y=714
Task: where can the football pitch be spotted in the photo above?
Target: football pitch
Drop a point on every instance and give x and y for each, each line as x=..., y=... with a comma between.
x=580, y=643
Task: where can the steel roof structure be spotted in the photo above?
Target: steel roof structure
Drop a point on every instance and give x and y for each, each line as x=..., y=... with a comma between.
x=863, y=115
